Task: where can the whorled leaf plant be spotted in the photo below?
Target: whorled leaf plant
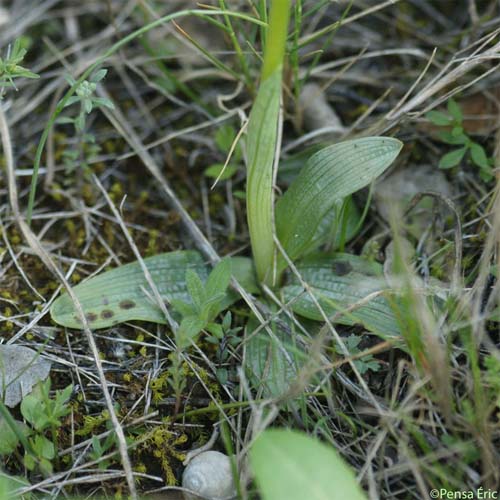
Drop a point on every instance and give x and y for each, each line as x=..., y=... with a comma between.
x=298, y=218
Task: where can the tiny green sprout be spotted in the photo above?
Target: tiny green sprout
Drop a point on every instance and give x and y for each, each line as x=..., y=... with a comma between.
x=42, y=414
x=207, y=301
x=224, y=139
x=455, y=135
x=84, y=95
x=364, y=364
x=223, y=336
x=10, y=67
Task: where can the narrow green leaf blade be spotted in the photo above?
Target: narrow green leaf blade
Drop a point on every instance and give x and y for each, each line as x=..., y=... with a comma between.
x=289, y=465
x=327, y=178
x=123, y=294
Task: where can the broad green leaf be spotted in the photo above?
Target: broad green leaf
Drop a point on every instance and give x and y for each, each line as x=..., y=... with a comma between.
x=123, y=294
x=44, y=447
x=289, y=465
x=339, y=224
x=243, y=270
x=327, y=178
x=261, y=143
x=271, y=362
x=9, y=484
x=337, y=283
x=8, y=438
x=453, y=158
x=438, y=118
x=33, y=412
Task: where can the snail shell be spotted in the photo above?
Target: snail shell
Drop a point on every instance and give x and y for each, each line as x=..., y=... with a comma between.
x=209, y=475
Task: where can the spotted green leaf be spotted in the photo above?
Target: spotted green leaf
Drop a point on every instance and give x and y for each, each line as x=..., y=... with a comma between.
x=328, y=177
x=123, y=294
x=339, y=282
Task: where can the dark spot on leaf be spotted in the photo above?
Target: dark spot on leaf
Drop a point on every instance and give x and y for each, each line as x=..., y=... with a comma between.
x=342, y=268
x=91, y=317
x=105, y=301
x=77, y=319
x=107, y=313
x=127, y=304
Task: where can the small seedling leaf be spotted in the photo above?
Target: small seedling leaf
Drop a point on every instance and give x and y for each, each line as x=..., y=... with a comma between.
x=478, y=155
x=218, y=280
x=455, y=111
x=217, y=171
x=20, y=369
x=195, y=288
x=438, y=118
x=453, y=158
x=289, y=465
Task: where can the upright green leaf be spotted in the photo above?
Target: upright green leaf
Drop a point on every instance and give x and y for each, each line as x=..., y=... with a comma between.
x=289, y=465
x=219, y=278
x=261, y=147
x=262, y=141
x=195, y=288
x=327, y=178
